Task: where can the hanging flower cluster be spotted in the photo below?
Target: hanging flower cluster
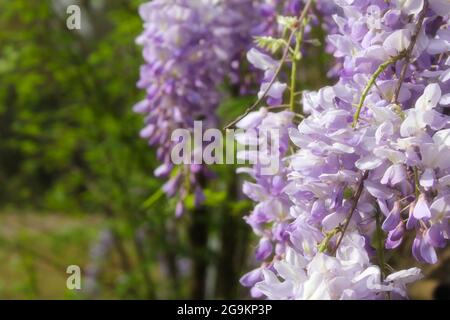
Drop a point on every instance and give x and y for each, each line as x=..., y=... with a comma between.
x=368, y=166
x=349, y=275
x=362, y=165
x=190, y=47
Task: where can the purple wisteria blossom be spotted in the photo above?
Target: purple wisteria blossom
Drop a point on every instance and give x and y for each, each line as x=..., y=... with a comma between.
x=364, y=165
x=189, y=48
x=348, y=276
x=369, y=161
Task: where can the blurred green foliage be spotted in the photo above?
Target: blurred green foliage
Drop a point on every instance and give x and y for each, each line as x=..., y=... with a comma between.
x=69, y=140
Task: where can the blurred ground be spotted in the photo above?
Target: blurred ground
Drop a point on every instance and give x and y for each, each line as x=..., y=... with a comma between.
x=437, y=282
x=35, y=250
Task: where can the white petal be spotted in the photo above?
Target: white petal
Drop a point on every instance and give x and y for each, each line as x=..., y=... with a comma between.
x=252, y=119
x=405, y=276
x=445, y=76
x=438, y=46
x=427, y=179
x=377, y=190
x=445, y=100
x=260, y=60
x=397, y=41
x=410, y=125
x=421, y=209
x=430, y=97
x=442, y=137
x=410, y=6
x=440, y=206
x=368, y=163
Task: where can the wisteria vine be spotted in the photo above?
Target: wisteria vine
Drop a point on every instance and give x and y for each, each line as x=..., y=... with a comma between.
x=363, y=164
x=370, y=158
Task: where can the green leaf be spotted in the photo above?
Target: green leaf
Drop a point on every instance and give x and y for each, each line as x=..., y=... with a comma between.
x=287, y=21
x=269, y=43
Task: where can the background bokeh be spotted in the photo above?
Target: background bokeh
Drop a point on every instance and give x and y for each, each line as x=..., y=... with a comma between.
x=76, y=184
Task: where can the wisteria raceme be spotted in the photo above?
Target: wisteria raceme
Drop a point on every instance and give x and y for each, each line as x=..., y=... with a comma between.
x=403, y=130
x=362, y=165
x=190, y=47
x=372, y=156
x=268, y=189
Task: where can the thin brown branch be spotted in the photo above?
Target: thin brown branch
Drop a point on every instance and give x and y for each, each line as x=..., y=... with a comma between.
x=409, y=51
x=279, y=68
x=352, y=210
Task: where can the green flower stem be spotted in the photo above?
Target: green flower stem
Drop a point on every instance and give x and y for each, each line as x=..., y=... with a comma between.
x=295, y=60
x=296, y=56
x=371, y=83
x=416, y=182
x=279, y=68
x=323, y=246
x=153, y=199
x=380, y=246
